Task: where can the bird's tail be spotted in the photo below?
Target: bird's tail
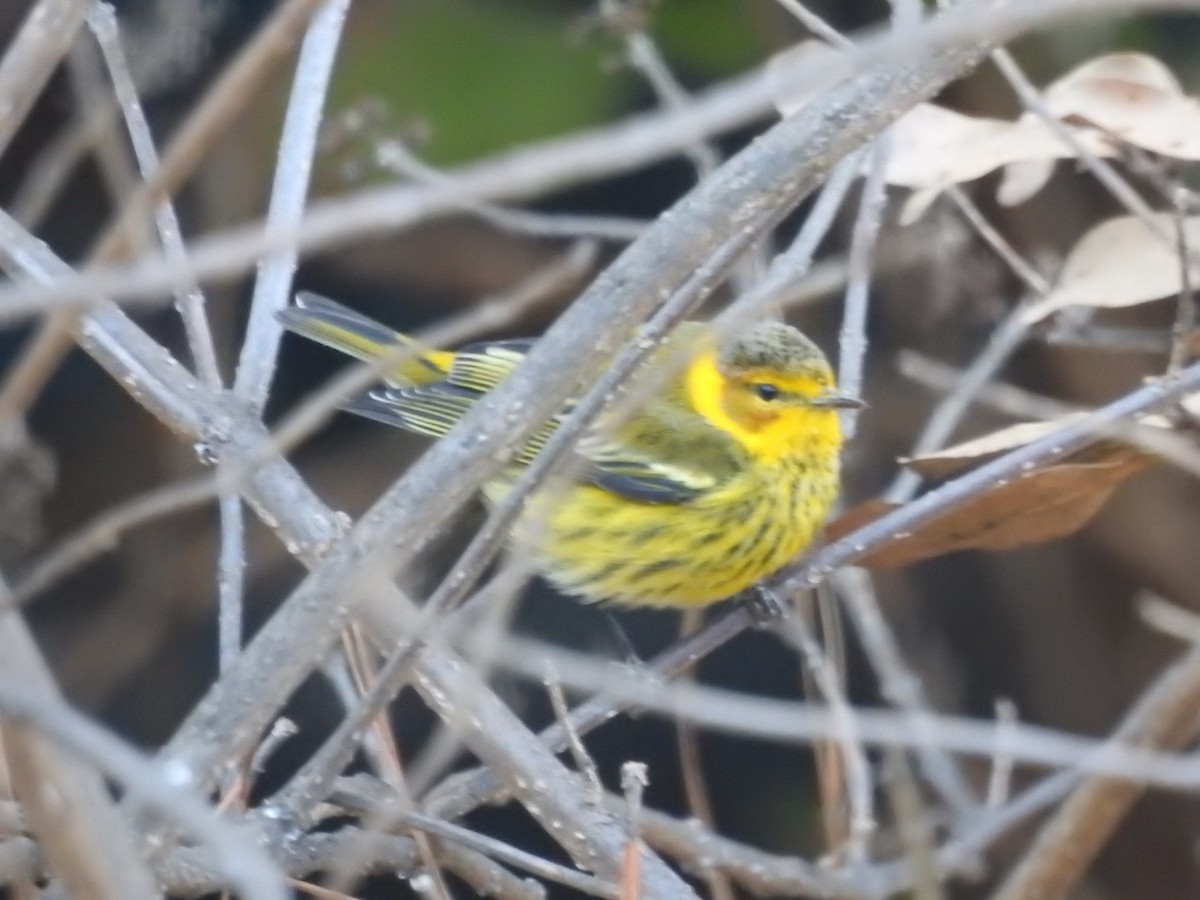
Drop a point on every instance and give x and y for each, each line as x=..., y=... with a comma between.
x=328, y=322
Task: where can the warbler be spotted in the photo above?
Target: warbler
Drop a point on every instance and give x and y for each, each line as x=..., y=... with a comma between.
x=722, y=477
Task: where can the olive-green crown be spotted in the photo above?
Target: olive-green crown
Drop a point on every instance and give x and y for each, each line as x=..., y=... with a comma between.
x=774, y=346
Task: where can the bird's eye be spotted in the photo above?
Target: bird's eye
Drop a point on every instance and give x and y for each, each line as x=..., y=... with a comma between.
x=766, y=391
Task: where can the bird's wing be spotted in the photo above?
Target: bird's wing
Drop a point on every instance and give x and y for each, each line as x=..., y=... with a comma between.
x=650, y=481
x=328, y=322
x=646, y=460
x=433, y=409
x=480, y=367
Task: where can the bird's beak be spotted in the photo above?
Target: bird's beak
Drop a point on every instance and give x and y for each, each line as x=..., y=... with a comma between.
x=836, y=400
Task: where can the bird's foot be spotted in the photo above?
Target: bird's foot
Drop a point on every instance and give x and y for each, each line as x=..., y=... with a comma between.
x=765, y=607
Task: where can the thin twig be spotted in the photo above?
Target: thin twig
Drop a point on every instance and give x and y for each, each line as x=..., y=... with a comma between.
x=100, y=535
x=281, y=731
x=1175, y=448
x=1000, y=779
x=583, y=760
x=103, y=533
x=191, y=306
x=245, y=864
x=1002, y=344
x=387, y=759
x=634, y=781
x=362, y=797
x=815, y=23
x=86, y=841
x=792, y=722
x=289, y=194
x=790, y=266
x=112, y=152
x=30, y=59
x=102, y=19
x=643, y=55
x=48, y=173
x=208, y=121
x=1033, y=279
x=1169, y=618
x=1105, y=173
x=857, y=767
x=691, y=767
x=1065, y=333
x=912, y=826
x=1185, y=308
x=256, y=364
x=520, y=175
x=852, y=341
x=399, y=159
x=820, y=612
x=899, y=685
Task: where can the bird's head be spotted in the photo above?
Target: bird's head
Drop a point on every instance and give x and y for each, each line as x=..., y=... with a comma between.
x=771, y=388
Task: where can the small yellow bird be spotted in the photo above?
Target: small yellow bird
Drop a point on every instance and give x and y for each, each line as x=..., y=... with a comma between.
x=724, y=476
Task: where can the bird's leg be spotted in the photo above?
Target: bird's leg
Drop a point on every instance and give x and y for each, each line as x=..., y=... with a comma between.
x=624, y=646
x=766, y=608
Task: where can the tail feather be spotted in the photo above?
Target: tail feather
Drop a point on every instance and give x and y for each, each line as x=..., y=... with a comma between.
x=328, y=322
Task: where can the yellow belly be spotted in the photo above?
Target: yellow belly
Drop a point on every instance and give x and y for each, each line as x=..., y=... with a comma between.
x=600, y=546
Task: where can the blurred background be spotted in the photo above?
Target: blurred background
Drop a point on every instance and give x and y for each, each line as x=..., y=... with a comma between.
x=1054, y=628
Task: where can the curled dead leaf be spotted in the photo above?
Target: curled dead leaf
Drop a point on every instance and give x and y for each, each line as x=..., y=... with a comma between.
x=1119, y=98
x=1039, y=506
x=1122, y=261
x=1134, y=97
x=934, y=147
x=944, y=463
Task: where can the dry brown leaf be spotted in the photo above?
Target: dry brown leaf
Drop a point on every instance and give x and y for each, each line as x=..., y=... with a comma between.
x=1021, y=180
x=934, y=147
x=1191, y=404
x=949, y=460
x=1134, y=97
x=1121, y=97
x=1039, y=506
x=1120, y=262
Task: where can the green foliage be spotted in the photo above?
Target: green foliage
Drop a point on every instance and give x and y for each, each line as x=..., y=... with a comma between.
x=485, y=76
x=714, y=37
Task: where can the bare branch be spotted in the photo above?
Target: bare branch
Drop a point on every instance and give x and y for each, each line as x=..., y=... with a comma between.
x=297, y=148
x=1165, y=717
x=361, y=796
x=852, y=340
x=86, y=841
x=188, y=299
x=220, y=106
x=244, y=863
x=43, y=40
